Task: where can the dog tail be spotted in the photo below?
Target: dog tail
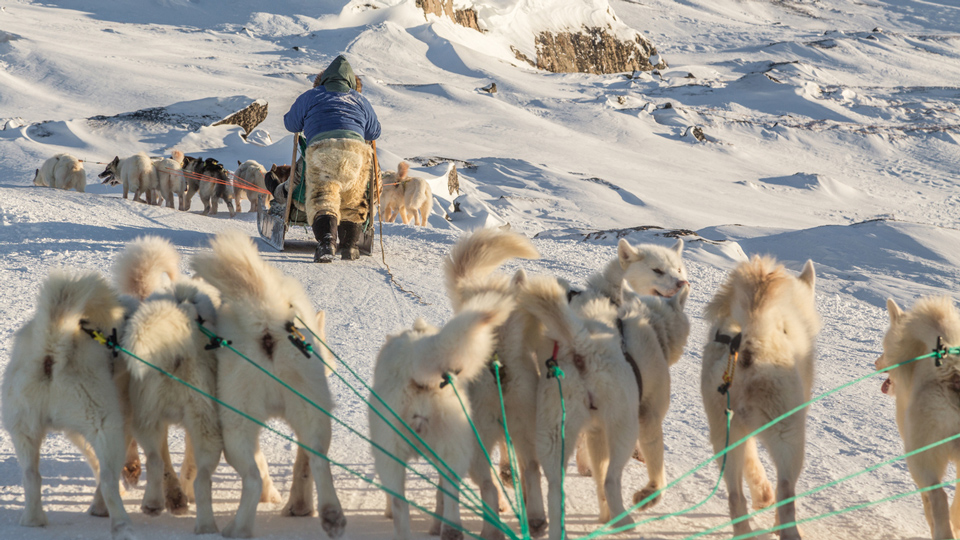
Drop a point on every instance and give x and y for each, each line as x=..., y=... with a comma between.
x=159, y=333
x=69, y=302
x=477, y=254
x=146, y=265
x=544, y=299
x=402, y=169
x=467, y=341
x=177, y=156
x=235, y=268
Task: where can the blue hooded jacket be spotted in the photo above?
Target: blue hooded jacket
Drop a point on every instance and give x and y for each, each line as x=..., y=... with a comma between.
x=334, y=109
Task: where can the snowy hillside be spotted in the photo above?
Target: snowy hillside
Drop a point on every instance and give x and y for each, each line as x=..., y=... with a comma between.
x=827, y=131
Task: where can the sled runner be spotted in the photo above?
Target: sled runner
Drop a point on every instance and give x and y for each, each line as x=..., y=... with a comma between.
x=273, y=222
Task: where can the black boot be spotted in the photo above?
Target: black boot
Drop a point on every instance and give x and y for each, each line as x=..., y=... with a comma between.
x=325, y=229
x=350, y=249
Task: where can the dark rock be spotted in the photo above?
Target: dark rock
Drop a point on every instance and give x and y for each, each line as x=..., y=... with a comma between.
x=490, y=88
x=463, y=17
x=593, y=50
x=249, y=117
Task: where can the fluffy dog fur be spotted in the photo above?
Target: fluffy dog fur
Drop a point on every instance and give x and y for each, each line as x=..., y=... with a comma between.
x=468, y=274
x=136, y=173
x=410, y=197
x=62, y=171
x=220, y=187
x=775, y=314
x=58, y=378
x=258, y=304
x=338, y=175
x=251, y=173
x=170, y=181
x=408, y=376
x=647, y=268
x=927, y=406
x=599, y=391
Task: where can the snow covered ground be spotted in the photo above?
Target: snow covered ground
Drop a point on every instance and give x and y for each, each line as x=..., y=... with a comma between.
x=831, y=133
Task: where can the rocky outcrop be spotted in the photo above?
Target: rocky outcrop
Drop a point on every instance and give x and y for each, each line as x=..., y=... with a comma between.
x=463, y=17
x=248, y=117
x=593, y=50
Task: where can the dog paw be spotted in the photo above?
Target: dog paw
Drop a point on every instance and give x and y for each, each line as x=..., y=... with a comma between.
x=123, y=531
x=638, y=454
x=38, y=519
x=205, y=528
x=98, y=508
x=435, y=526
x=583, y=469
x=177, y=503
x=332, y=520
x=232, y=530
x=449, y=533
x=764, y=498
x=643, y=494
x=271, y=495
x=151, y=509
x=131, y=473
x=538, y=527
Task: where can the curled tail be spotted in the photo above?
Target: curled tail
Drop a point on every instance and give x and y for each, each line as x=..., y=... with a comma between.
x=235, y=268
x=477, y=254
x=160, y=333
x=544, y=299
x=402, y=169
x=146, y=265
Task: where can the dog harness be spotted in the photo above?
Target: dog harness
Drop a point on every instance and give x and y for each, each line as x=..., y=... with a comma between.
x=734, y=344
x=630, y=360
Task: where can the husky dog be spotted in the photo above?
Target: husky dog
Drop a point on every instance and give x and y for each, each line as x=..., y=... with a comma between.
x=648, y=269
x=409, y=197
x=467, y=272
x=192, y=166
x=409, y=377
x=259, y=306
x=62, y=171
x=170, y=178
x=220, y=186
x=251, y=173
x=927, y=405
x=771, y=314
x=599, y=391
x=58, y=378
x=136, y=173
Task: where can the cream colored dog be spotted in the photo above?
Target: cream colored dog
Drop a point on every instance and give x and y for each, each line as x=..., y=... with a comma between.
x=135, y=173
x=927, y=405
x=409, y=377
x=62, y=171
x=251, y=173
x=410, y=197
x=773, y=314
x=59, y=379
x=259, y=305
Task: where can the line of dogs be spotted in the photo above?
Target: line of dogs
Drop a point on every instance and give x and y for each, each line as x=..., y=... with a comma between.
x=162, y=180
x=615, y=341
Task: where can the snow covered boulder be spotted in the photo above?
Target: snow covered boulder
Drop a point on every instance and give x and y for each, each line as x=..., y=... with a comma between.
x=248, y=117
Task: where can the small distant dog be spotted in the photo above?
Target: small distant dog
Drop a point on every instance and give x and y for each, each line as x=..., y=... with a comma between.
x=59, y=378
x=927, y=399
x=409, y=197
x=135, y=173
x=259, y=304
x=62, y=171
x=170, y=179
x=218, y=186
x=599, y=391
x=647, y=268
x=276, y=176
x=771, y=314
x=253, y=174
x=191, y=166
x=409, y=377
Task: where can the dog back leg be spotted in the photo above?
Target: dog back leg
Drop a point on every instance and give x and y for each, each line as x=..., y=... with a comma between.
x=107, y=442
x=761, y=492
x=481, y=475
x=548, y=448
x=153, y=439
x=618, y=448
x=786, y=444
x=524, y=440
x=597, y=454
x=651, y=447
x=269, y=494
x=27, y=447
x=425, y=211
x=239, y=445
x=98, y=507
x=188, y=469
x=928, y=469
x=300, y=502
x=314, y=431
x=955, y=508
x=206, y=451
x=733, y=474
x=192, y=187
x=404, y=215
x=392, y=478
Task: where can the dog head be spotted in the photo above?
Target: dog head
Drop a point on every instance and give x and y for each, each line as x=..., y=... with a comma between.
x=665, y=315
x=214, y=168
x=109, y=175
x=193, y=164
x=651, y=269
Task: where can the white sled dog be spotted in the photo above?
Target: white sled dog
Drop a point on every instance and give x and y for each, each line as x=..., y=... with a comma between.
x=649, y=269
x=927, y=399
x=170, y=179
x=600, y=393
x=771, y=315
x=468, y=272
x=410, y=197
x=251, y=173
x=59, y=378
x=409, y=377
x=259, y=304
x=135, y=173
x=62, y=171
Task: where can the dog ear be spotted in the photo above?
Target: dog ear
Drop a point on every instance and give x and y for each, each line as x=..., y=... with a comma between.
x=627, y=253
x=519, y=279
x=894, y=311
x=808, y=275
x=680, y=299
x=626, y=292
x=238, y=163
x=678, y=247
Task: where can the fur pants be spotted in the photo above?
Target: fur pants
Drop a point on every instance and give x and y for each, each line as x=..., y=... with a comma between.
x=338, y=175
